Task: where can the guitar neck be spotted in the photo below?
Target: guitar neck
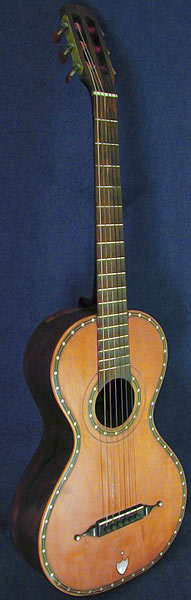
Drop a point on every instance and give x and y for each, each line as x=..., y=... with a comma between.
x=113, y=345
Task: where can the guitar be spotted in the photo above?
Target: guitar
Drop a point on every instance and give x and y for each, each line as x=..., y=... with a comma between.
x=104, y=496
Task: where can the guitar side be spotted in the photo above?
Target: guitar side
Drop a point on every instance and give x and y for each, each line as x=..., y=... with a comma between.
x=55, y=448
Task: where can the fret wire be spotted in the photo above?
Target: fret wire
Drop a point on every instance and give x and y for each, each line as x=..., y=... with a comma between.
x=106, y=144
x=107, y=120
x=108, y=186
x=112, y=258
x=115, y=367
x=111, y=326
x=113, y=358
x=112, y=349
x=100, y=315
x=113, y=301
x=117, y=337
x=116, y=242
x=109, y=274
x=121, y=287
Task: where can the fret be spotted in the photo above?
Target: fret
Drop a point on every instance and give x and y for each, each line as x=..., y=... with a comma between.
x=121, y=287
x=111, y=258
x=113, y=317
x=103, y=360
x=111, y=339
x=108, y=186
x=106, y=144
x=115, y=242
x=113, y=349
x=108, y=316
x=107, y=120
x=109, y=225
x=108, y=166
x=115, y=367
x=109, y=274
x=113, y=301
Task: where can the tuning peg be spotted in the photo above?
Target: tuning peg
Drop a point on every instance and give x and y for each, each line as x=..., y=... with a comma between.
x=56, y=34
x=62, y=57
x=70, y=75
x=63, y=54
x=91, y=29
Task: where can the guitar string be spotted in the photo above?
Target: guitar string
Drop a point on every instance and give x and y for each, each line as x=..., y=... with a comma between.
x=122, y=333
x=117, y=490
x=103, y=131
x=109, y=194
x=116, y=180
x=102, y=319
x=92, y=68
x=109, y=129
x=120, y=263
x=112, y=285
x=101, y=232
x=112, y=238
x=119, y=269
x=93, y=75
x=91, y=65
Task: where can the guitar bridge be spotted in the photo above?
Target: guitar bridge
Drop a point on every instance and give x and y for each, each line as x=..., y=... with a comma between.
x=118, y=520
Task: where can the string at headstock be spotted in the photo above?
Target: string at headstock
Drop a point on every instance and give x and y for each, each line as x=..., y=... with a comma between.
x=85, y=41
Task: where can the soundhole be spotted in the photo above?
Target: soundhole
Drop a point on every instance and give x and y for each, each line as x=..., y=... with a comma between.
x=114, y=403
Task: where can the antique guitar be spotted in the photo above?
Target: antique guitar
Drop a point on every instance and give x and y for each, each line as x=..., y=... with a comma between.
x=104, y=496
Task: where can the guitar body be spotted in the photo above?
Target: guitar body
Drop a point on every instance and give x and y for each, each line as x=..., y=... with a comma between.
x=102, y=475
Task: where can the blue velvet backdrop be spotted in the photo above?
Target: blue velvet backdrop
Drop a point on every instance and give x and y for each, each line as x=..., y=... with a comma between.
x=48, y=230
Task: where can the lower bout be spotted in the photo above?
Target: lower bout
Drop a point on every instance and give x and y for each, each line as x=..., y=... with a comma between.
x=94, y=564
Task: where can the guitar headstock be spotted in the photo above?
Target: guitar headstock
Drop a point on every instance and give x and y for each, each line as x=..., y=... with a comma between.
x=85, y=41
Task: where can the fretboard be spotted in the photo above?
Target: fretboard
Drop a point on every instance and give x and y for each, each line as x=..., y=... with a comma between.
x=112, y=323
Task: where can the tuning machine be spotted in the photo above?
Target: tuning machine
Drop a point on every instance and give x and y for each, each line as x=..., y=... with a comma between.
x=63, y=54
x=72, y=73
x=57, y=34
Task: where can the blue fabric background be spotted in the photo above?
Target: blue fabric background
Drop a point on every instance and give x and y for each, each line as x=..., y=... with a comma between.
x=48, y=231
